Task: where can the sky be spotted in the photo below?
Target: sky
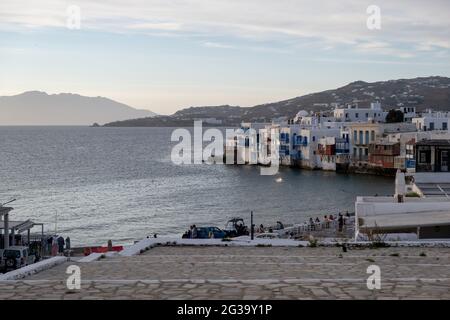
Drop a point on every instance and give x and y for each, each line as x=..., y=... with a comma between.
x=165, y=55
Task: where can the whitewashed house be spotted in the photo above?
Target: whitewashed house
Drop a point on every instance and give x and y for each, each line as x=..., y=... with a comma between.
x=432, y=121
x=409, y=113
x=356, y=114
x=306, y=142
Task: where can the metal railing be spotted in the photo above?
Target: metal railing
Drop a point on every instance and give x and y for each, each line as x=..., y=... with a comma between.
x=306, y=228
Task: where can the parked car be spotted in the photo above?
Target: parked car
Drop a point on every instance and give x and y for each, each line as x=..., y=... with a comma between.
x=210, y=232
x=16, y=257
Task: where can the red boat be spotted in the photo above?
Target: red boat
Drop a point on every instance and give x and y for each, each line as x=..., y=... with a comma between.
x=89, y=250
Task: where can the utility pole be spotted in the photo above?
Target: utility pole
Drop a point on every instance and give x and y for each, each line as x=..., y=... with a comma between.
x=252, y=227
x=56, y=222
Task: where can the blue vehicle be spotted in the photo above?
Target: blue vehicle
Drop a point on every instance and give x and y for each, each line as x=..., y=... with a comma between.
x=210, y=232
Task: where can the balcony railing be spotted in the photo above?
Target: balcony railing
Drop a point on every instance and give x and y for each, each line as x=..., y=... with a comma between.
x=342, y=151
x=300, y=142
x=360, y=158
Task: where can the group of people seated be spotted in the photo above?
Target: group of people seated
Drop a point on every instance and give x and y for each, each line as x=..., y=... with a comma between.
x=341, y=218
x=261, y=229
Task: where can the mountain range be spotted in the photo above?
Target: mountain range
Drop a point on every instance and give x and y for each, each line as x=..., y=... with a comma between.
x=422, y=93
x=40, y=108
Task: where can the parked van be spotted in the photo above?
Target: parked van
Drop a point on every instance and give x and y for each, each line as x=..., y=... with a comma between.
x=16, y=257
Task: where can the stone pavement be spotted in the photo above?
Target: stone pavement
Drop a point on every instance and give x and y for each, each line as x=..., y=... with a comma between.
x=248, y=273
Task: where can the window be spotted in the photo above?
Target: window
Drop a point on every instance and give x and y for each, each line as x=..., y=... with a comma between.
x=361, y=137
x=423, y=157
x=367, y=137
x=431, y=126
x=355, y=136
x=357, y=115
x=367, y=115
x=444, y=126
x=372, y=135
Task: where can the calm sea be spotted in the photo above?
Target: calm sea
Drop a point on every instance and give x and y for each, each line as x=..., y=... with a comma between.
x=95, y=184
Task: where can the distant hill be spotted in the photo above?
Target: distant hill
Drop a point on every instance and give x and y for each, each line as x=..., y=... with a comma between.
x=422, y=93
x=229, y=116
x=40, y=108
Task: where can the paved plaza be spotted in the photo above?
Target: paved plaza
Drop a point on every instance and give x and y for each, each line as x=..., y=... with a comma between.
x=247, y=273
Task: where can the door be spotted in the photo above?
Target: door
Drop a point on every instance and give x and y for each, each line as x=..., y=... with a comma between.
x=444, y=160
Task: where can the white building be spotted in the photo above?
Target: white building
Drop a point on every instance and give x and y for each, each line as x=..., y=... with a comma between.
x=356, y=114
x=305, y=145
x=408, y=113
x=432, y=121
x=404, y=217
x=313, y=120
x=297, y=144
x=242, y=147
x=334, y=153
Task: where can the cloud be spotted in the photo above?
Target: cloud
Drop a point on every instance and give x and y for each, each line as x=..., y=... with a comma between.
x=218, y=45
x=164, y=26
x=406, y=24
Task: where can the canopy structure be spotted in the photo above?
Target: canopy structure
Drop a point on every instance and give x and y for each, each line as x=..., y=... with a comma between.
x=19, y=226
x=4, y=210
x=8, y=227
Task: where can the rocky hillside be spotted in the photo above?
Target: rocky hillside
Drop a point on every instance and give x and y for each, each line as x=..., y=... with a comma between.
x=422, y=93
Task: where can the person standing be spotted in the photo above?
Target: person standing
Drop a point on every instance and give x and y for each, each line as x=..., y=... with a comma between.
x=67, y=243
x=194, y=231
x=49, y=245
x=60, y=245
x=341, y=222
x=327, y=221
x=54, y=246
x=311, y=224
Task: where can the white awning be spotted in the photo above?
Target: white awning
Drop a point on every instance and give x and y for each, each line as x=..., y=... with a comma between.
x=406, y=220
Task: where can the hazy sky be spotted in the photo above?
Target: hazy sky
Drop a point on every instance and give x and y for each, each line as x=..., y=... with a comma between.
x=165, y=55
